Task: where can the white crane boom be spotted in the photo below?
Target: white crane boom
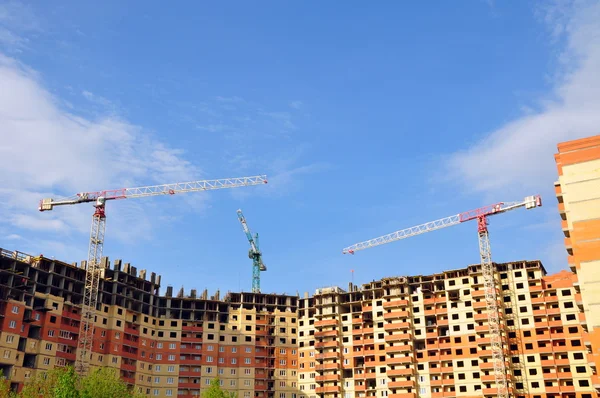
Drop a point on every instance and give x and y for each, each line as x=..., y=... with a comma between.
x=154, y=190
x=497, y=208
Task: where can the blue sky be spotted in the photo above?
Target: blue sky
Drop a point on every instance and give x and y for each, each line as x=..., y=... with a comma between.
x=366, y=118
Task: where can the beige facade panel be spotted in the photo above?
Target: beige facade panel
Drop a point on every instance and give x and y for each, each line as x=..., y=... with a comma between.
x=589, y=275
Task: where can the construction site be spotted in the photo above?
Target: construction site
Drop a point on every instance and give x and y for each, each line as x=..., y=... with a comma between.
x=484, y=330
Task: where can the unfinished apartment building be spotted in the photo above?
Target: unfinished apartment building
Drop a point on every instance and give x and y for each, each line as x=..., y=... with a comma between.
x=171, y=345
x=422, y=336
x=427, y=336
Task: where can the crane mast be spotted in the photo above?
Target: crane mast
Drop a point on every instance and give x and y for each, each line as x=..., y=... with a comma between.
x=487, y=268
x=93, y=269
x=254, y=253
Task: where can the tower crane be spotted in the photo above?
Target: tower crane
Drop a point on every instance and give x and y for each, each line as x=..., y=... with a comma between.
x=254, y=253
x=487, y=267
x=93, y=271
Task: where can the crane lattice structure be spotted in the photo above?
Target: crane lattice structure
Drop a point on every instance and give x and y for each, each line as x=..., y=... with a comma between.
x=254, y=253
x=93, y=269
x=487, y=267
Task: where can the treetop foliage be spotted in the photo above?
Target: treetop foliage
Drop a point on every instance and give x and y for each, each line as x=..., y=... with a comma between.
x=65, y=383
x=215, y=391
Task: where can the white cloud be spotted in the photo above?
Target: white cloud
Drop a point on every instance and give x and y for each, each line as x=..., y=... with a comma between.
x=212, y=128
x=98, y=100
x=517, y=158
x=282, y=118
x=17, y=21
x=296, y=104
x=48, y=152
x=10, y=39
x=229, y=99
x=283, y=172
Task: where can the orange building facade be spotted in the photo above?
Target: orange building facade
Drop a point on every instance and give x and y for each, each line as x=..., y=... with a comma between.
x=578, y=194
x=428, y=336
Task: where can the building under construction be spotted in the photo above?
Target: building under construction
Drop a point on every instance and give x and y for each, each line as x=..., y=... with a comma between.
x=421, y=336
x=164, y=345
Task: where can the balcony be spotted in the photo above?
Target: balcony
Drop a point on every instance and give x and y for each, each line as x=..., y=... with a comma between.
x=434, y=357
x=131, y=329
x=551, y=299
x=402, y=384
x=486, y=365
x=329, y=366
x=326, y=322
x=327, y=344
x=198, y=328
x=369, y=352
x=399, y=360
x=400, y=372
x=483, y=317
x=536, y=288
x=553, y=311
x=397, y=326
x=398, y=337
x=188, y=373
x=329, y=355
x=395, y=304
x=328, y=378
x=555, y=324
x=398, y=348
x=367, y=330
x=404, y=395
x=546, y=349
x=482, y=328
x=328, y=389
x=537, y=300
x=189, y=386
x=329, y=333
x=439, y=382
x=396, y=315
x=541, y=325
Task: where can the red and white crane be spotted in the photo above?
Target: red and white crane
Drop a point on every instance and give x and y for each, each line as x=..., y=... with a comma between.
x=93, y=271
x=487, y=267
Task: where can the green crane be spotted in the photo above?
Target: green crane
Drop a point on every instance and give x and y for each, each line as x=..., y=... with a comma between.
x=254, y=253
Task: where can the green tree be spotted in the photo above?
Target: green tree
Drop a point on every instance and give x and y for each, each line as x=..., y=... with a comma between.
x=104, y=382
x=5, y=391
x=42, y=385
x=66, y=384
x=215, y=390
